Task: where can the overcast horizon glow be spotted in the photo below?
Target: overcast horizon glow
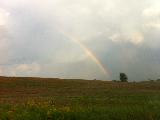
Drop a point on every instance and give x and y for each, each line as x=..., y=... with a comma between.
x=94, y=39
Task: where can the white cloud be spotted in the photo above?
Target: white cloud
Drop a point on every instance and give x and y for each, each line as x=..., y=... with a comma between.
x=34, y=67
x=4, y=42
x=152, y=16
x=3, y=17
x=153, y=25
x=20, y=69
x=136, y=38
x=116, y=37
x=152, y=11
x=1, y=70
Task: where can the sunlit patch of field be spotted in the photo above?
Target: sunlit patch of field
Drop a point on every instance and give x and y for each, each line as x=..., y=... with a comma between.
x=58, y=99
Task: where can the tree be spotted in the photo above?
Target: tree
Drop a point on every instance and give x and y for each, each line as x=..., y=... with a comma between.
x=123, y=77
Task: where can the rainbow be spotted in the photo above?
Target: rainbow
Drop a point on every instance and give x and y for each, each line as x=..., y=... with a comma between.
x=88, y=52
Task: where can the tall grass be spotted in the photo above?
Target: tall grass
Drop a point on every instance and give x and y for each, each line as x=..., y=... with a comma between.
x=54, y=99
x=47, y=111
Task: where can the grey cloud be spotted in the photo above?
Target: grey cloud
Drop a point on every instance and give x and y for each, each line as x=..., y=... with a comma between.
x=124, y=35
x=4, y=45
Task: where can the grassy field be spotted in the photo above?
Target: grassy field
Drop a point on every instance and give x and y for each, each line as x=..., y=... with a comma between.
x=57, y=99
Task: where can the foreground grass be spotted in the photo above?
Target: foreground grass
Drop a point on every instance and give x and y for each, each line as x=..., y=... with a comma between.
x=54, y=99
x=47, y=111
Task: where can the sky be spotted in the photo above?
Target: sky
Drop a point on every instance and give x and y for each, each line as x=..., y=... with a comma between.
x=88, y=39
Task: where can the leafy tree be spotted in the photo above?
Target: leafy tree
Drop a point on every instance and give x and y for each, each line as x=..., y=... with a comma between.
x=123, y=77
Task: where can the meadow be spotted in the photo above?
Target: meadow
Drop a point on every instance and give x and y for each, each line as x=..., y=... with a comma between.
x=58, y=99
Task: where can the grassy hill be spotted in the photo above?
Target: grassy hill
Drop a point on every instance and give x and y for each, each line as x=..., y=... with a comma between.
x=24, y=98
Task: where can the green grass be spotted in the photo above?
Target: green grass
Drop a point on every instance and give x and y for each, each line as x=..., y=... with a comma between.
x=55, y=99
x=149, y=111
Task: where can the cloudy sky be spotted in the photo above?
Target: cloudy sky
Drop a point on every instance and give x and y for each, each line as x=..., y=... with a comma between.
x=89, y=39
